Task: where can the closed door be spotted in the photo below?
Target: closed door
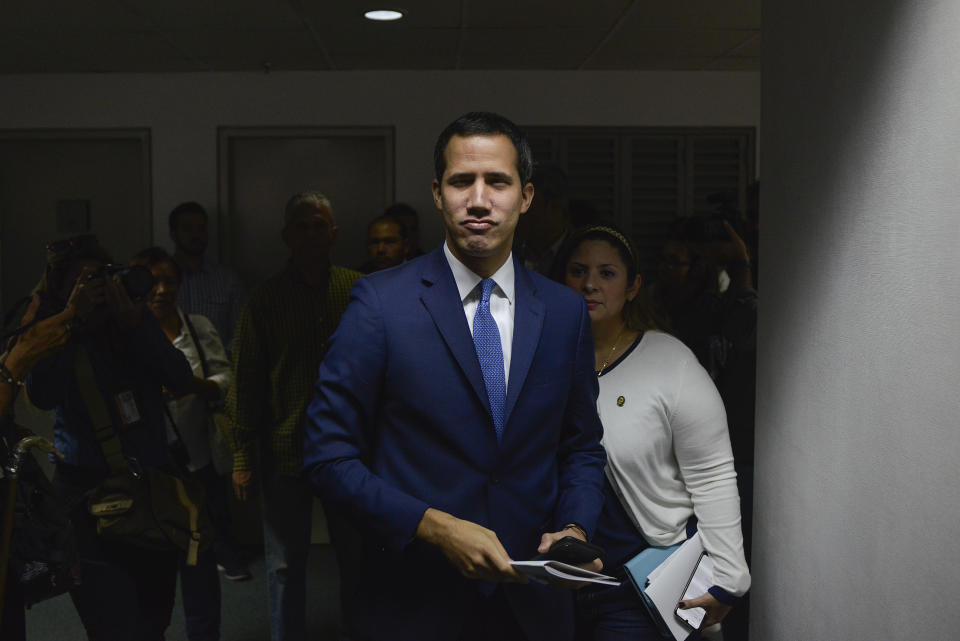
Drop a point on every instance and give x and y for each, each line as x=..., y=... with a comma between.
x=59, y=183
x=262, y=168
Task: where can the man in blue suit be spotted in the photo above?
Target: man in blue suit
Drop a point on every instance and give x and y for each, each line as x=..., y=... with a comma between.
x=454, y=420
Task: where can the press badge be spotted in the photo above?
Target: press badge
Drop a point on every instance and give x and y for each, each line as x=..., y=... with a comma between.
x=127, y=407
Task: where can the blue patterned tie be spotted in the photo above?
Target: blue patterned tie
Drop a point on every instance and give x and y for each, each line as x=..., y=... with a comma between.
x=486, y=338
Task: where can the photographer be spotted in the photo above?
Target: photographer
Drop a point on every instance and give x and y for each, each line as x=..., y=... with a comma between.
x=119, y=353
x=36, y=342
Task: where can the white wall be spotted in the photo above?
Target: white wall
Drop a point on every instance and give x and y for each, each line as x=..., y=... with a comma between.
x=183, y=111
x=858, y=446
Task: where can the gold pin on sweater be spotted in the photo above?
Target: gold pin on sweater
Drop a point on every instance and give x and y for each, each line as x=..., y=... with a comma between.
x=620, y=401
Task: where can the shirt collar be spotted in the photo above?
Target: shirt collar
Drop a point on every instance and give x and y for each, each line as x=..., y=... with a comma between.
x=184, y=330
x=467, y=280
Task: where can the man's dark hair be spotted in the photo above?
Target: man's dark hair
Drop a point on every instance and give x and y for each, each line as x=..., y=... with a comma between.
x=401, y=227
x=185, y=208
x=154, y=256
x=484, y=123
x=401, y=210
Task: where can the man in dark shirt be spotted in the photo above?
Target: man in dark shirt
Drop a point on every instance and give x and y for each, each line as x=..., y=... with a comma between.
x=280, y=342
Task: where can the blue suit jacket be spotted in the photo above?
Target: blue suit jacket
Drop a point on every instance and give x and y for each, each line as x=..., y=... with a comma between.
x=401, y=422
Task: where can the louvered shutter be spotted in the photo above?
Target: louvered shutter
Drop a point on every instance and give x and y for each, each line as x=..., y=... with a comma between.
x=655, y=194
x=645, y=177
x=545, y=148
x=592, y=170
x=717, y=165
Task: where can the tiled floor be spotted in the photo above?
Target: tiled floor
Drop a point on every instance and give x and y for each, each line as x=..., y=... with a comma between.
x=244, y=610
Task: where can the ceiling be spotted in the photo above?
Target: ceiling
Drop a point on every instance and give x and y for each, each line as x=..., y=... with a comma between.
x=57, y=36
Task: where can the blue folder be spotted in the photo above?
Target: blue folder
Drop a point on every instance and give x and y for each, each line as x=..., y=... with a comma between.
x=639, y=568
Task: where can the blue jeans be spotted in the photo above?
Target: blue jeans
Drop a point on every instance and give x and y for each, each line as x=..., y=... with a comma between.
x=287, y=505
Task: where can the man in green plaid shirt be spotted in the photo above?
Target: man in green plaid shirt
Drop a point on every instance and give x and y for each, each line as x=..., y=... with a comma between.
x=278, y=346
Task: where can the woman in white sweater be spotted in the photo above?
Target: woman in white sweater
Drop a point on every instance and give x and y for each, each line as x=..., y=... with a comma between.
x=670, y=467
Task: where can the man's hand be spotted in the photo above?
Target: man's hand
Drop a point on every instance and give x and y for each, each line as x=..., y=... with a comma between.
x=205, y=388
x=473, y=549
x=549, y=538
x=715, y=610
x=242, y=480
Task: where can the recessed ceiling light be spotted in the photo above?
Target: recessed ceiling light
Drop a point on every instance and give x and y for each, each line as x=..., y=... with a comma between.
x=383, y=15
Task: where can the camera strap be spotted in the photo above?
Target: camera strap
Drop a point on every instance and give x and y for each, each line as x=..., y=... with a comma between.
x=99, y=414
x=196, y=343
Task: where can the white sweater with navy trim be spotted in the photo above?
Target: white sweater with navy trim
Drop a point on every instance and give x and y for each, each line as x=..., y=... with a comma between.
x=669, y=453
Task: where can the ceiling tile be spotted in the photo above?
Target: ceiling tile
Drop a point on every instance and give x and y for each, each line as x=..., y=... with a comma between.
x=528, y=49
x=175, y=15
x=433, y=48
x=699, y=14
x=58, y=16
x=83, y=51
x=734, y=64
x=186, y=35
x=419, y=14
x=544, y=14
x=236, y=50
x=627, y=49
x=750, y=47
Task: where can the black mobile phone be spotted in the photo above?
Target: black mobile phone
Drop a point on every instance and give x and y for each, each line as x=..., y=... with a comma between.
x=694, y=588
x=570, y=549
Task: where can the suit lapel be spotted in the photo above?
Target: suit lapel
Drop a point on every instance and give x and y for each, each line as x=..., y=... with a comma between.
x=527, y=324
x=442, y=300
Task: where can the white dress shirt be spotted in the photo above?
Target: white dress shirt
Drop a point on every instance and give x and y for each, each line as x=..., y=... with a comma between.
x=501, y=300
x=191, y=412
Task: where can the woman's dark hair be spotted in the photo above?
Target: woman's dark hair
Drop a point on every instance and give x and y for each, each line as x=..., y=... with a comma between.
x=635, y=312
x=154, y=256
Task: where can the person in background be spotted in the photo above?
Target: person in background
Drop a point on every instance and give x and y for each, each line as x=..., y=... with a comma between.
x=212, y=291
x=411, y=222
x=36, y=342
x=127, y=591
x=280, y=342
x=706, y=293
x=583, y=213
x=670, y=466
x=386, y=244
x=190, y=421
x=546, y=225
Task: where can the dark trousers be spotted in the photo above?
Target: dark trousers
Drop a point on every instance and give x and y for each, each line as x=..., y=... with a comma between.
x=215, y=487
x=200, y=584
x=492, y=619
x=613, y=614
x=13, y=626
x=126, y=592
x=200, y=589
